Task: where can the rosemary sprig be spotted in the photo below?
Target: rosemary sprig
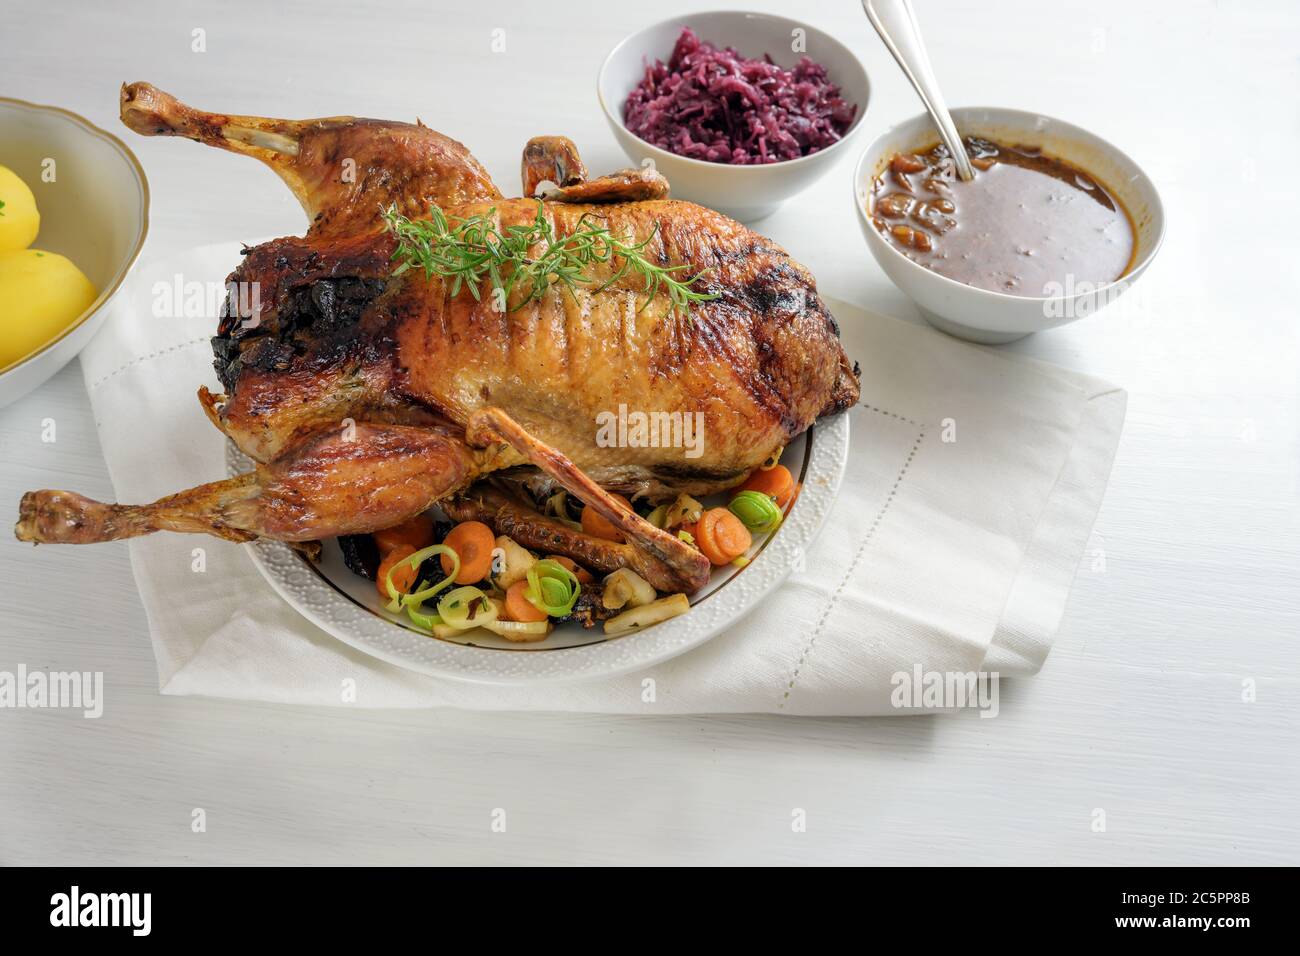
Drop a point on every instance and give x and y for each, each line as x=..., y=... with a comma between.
x=468, y=249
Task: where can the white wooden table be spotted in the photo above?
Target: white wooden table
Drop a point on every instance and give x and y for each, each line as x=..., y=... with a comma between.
x=1191, y=585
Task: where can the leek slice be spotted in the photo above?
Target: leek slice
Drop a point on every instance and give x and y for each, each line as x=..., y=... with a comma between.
x=428, y=621
x=417, y=598
x=757, y=512
x=552, y=588
x=467, y=607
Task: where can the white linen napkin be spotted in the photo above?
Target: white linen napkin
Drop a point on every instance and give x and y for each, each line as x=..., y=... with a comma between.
x=973, y=481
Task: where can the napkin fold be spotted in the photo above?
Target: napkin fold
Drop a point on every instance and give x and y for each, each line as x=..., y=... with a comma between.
x=973, y=481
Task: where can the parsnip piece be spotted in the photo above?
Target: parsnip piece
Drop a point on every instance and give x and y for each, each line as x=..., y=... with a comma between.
x=684, y=510
x=521, y=632
x=517, y=562
x=626, y=588
x=639, y=618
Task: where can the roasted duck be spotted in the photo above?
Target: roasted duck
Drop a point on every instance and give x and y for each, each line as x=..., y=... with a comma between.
x=365, y=397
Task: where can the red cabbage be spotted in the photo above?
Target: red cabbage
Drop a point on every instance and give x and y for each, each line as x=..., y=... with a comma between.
x=715, y=105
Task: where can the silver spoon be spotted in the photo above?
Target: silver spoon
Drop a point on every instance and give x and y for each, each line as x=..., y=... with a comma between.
x=896, y=23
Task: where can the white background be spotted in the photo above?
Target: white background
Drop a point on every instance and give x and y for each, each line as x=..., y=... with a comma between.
x=1191, y=584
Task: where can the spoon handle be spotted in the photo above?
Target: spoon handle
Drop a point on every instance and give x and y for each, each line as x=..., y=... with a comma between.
x=895, y=21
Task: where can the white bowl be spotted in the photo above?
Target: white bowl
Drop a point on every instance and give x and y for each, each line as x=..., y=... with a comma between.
x=746, y=193
x=95, y=211
x=995, y=317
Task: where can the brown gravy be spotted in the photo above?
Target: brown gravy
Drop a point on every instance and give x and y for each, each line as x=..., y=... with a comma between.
x=1027, y=224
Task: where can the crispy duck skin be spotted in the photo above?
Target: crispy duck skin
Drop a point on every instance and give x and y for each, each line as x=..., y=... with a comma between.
x=366, y=397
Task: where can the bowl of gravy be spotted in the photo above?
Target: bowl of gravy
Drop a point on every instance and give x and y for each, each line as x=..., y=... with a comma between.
x=1056, y=224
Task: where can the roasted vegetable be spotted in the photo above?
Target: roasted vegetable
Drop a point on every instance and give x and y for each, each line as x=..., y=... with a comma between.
x=775, y=482
x=514, y=565
x=520, y=631
x=396, y=576
x=519, y=608
x=639, y=618
x=552, y=588
x=756, y=511
x=685, y=510
x=722, y=536
x=467, y=606
x=626, y=588
x=597, y=525
x=416, y=532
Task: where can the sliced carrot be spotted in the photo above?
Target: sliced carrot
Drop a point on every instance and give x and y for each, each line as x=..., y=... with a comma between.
x=775, y=482
x=722, y=536
x=595, y=524
x=704, y=542
x=473, y=542
x=690, y=529
x=582, y=574
x=518, y=607
x=417, y=532
x=403, y=577
x=730, y=534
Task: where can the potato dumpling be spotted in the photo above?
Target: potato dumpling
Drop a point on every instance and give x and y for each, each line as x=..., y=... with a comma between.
x=41, y=294
x=19, y=220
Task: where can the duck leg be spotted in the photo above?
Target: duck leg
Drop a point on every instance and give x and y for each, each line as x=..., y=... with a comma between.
x=65, y=517
x=344, y=170
x=684, y=568
x=335, y=482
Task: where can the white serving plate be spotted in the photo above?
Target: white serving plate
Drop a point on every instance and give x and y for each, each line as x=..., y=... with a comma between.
x=347, y=605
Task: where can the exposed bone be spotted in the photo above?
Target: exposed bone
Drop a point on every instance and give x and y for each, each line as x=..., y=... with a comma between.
x=64, y=517
x=263, y=139
x=690, y=567
x=507, y=516
x=150, y=111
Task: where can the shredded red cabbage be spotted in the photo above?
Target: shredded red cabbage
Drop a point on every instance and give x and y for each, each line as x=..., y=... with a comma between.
x=715, y=105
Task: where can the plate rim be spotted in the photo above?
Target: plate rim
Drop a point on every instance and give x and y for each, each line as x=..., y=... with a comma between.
x=321, y=603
